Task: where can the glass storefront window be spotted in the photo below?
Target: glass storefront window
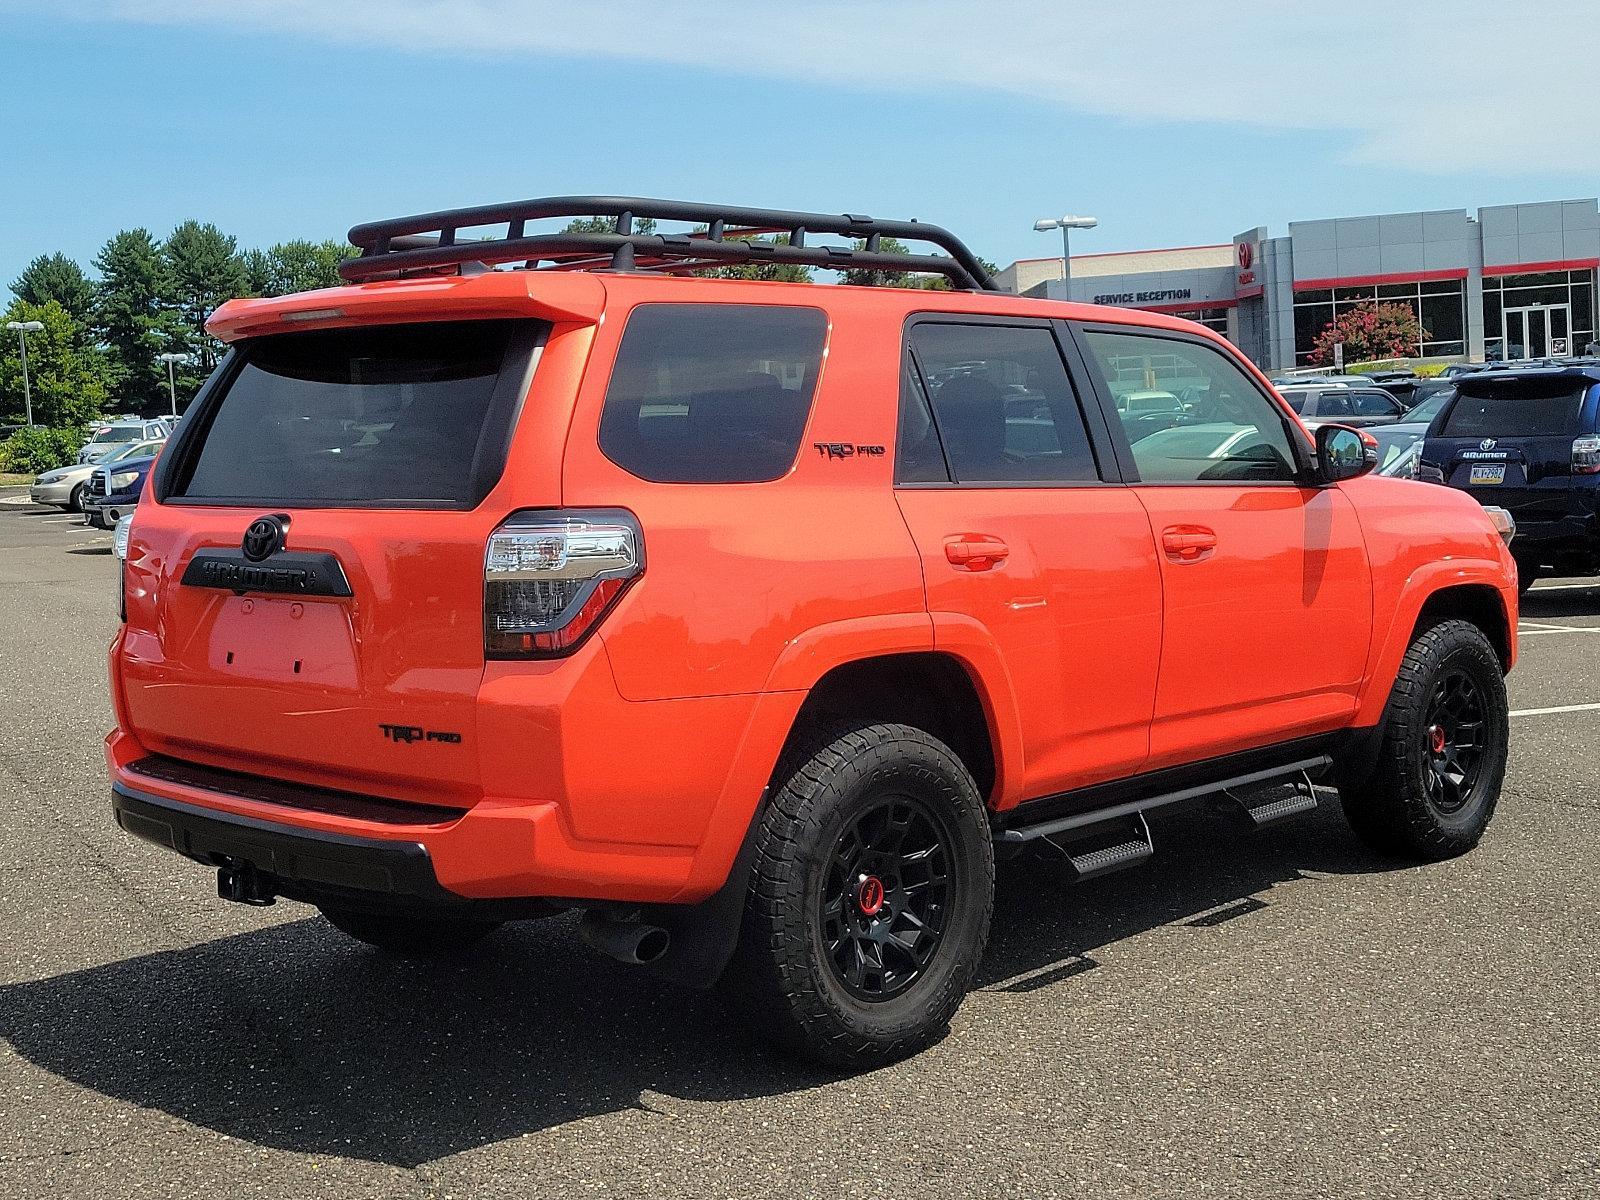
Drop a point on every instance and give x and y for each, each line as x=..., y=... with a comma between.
x=1439, y=305
x=1531, y=316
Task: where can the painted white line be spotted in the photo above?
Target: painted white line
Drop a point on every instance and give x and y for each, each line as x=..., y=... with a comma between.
x=1522, y=633
x=1564, y=587
x=1563, y=708
x=1527, y=625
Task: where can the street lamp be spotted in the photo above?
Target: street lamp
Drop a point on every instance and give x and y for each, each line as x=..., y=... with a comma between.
x=172, y=383
x=23, y=329
x=1046, y=224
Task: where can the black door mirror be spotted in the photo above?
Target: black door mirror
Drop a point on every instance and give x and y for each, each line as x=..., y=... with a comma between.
x=1344, y=453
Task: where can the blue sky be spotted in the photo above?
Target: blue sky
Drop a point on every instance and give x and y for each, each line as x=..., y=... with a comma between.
x=297, y=118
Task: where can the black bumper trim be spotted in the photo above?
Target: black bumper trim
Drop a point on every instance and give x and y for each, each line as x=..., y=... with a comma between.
x=305, y=864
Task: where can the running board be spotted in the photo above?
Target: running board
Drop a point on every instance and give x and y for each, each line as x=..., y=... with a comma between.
x=1293, y=772
x=1133, y=847
x=1267, y=804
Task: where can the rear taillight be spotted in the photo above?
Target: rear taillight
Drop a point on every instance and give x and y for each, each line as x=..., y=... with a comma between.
x=550, y=576
x=1586, y=455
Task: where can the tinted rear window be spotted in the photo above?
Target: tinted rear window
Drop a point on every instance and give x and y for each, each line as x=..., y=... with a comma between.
x=712, y=393
x=381, y=414
x=1513, y=408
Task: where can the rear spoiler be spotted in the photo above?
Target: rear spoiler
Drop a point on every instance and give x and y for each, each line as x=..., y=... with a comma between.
x=568, y=297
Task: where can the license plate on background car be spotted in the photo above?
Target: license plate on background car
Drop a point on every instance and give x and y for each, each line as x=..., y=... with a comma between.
x=1495, y=474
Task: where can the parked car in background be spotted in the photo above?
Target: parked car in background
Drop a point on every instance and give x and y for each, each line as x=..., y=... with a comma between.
x=1528, y=441
x=1347, y=404
x=109, y=438
x=113, y=490
x=65, y=487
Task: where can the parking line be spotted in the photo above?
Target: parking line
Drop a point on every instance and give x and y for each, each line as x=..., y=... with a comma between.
x=1522, y=633
x=1562, y=708
x=1564, y=587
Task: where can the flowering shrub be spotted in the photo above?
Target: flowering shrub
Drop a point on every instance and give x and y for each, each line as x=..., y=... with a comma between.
x=1370, y=331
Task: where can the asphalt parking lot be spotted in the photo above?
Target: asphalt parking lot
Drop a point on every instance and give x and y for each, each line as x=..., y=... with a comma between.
x=1274, y=1014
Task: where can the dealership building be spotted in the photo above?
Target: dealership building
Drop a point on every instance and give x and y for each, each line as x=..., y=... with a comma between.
x=1511, y=281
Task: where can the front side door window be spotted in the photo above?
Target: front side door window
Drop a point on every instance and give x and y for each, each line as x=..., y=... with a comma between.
x=1257, y=564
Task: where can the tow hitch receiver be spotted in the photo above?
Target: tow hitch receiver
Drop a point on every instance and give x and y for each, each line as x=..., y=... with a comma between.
x=243, y=884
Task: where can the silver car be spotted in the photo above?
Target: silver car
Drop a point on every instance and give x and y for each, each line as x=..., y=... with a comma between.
x=110, y=438
x=64, y=486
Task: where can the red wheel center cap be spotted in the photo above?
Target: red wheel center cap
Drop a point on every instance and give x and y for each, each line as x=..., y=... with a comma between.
x=869, y=896
x=1436, y=739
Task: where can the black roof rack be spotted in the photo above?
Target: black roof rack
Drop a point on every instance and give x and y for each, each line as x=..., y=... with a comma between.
x=428, y=243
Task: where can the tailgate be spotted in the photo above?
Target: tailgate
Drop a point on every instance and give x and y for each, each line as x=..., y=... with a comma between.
x=306, y=600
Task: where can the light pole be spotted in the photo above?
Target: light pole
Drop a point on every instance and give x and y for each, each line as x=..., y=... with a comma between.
x=24, y=328
x=172, y=383
x=1046, y=224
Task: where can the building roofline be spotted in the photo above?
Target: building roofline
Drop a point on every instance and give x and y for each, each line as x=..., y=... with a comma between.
x=1124, y=253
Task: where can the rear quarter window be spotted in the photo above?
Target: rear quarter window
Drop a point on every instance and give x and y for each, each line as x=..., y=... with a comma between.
x=712, y=393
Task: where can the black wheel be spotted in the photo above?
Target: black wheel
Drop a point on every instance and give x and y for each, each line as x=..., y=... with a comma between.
x=410, y=936
x=1443, y=752
x=75, y=502
x=869, y=904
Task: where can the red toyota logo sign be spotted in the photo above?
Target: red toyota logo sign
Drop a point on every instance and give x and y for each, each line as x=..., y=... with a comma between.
x=1247, y=255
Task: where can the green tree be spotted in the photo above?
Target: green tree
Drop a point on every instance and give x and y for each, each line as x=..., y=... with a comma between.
x=297, y=266
x=56, y=277
x=129, y=316
x=67, y=375
x=203, y=270
x=641, y=225
x=878, y=277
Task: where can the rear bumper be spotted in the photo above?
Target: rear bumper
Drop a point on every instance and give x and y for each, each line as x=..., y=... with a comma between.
x=321, y=843
x=301, y=864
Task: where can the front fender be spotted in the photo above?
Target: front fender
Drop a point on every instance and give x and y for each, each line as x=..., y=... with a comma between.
x=1389, y=649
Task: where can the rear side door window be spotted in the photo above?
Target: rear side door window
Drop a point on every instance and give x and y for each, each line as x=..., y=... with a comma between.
x=1228, y=431
x=1375, y=403
x=712, y=393
x=990, y=404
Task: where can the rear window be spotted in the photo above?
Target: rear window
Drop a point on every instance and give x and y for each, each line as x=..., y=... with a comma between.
x=119, y=433
x=1513, y=408
x=712, y=393
x=389, y=414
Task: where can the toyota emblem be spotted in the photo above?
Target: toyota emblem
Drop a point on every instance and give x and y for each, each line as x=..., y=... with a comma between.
x=1486, y=444
x=1247, y=255
x=265, y=537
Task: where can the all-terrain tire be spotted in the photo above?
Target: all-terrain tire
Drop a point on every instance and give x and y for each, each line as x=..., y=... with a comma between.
x=800, y=969
x=410, y=936
x=1410, y=803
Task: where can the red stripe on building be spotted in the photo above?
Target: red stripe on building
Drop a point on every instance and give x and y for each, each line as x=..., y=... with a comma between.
x=1306, y=285
x=1539, y=268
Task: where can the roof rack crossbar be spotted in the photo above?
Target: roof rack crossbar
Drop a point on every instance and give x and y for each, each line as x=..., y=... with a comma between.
x=431, y=242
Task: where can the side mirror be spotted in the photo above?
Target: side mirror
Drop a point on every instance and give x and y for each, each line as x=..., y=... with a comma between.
x=1344, y=453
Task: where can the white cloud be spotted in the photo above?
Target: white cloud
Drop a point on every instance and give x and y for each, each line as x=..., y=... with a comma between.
x=1431, y=85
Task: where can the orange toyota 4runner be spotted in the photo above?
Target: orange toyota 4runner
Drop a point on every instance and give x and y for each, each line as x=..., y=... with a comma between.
x=751, y=619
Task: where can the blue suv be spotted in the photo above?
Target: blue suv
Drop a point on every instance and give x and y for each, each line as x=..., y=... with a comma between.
x=1528, y=440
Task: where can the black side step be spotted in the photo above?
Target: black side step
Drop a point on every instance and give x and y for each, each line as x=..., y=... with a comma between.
x=1127, y=847
x=1266, y=804
x=1021, y=835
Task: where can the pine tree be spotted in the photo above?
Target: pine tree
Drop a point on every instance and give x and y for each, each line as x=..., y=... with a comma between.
x=128, y=315
x=56, y=277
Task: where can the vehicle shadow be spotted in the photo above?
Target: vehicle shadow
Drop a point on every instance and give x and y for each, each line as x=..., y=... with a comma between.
x=294, y=1037
x=1567, y=602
